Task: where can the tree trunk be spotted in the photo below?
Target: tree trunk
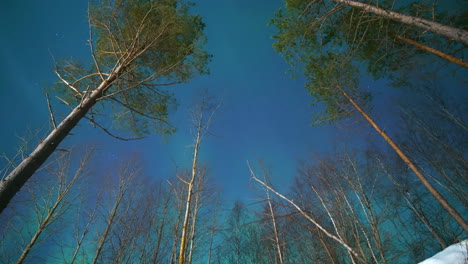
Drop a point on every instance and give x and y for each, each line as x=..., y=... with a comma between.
x=21, y=174
x=55, y=210
x=439, y=53
x=126, y=176
x=273, y=220
x=410, y=164
x=456, y=34
x=185, y=226
x=307, y=216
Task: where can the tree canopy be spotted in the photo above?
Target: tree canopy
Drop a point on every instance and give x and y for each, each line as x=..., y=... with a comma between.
x=334, y=43
x=156, y=43
x=142, y=46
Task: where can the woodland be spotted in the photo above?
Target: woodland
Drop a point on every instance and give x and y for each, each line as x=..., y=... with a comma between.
x=399, y=197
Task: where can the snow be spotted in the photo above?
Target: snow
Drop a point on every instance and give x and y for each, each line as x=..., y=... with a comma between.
x=454, y=254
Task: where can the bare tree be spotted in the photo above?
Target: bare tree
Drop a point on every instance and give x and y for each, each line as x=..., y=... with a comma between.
x=49, y=202
x=201, y=117
x=307, y=216
x=212, y=228
x=272, y=214
x=126, y=176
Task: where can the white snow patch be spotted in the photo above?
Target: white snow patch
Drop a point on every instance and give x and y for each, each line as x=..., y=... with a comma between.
x=454, y=254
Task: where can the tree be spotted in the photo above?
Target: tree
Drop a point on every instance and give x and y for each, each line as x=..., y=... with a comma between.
x=202, y=116
x=328, y=60
x=328, y=233
x=141, y=47
x=242, y=238
x=271, y=212
x=127, y=174
x=456, y=34
x=39, y=215
x=439, y=53
x=387, y=41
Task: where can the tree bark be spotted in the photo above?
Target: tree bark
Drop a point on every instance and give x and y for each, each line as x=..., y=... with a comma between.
x=439, y=53
x=183, y=243
x=456, y=34
x=21, y=174
x=275, y=229
x=438, y=196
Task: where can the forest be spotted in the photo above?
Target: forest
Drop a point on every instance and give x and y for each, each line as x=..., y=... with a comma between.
x=295, y=131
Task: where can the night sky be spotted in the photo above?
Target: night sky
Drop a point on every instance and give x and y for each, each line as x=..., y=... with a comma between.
x=264, y=115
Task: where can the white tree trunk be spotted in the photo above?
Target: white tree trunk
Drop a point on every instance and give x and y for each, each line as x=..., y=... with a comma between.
x=21, y=174
x=456, y=34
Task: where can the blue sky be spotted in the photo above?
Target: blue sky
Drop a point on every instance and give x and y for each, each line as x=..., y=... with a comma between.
x=265, y=114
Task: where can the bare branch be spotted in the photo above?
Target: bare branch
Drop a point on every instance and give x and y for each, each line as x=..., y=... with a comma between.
x=303, y=213
x=91, y=47
x=108, y=132
x=52, y=118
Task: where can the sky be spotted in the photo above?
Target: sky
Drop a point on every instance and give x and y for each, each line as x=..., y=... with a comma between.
x=264, y=115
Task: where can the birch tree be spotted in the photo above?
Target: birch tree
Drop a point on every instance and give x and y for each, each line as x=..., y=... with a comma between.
x=137, y=48
x=201, y=117
x=40, y=217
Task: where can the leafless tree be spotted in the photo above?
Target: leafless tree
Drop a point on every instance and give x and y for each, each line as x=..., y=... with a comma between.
x=202, y=115
x=49, y=202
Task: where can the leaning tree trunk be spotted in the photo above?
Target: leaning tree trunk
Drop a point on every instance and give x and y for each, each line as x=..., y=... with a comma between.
x=21, y=174
x=438, y=196
x=438, y=53
x=456, y=34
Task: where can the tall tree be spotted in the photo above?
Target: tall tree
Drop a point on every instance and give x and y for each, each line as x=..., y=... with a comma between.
x=127, y=174
x=337, y=237
x=371, y=34
x=328, y=54
x=452, y=33
x=141, y=47
x=202, y=115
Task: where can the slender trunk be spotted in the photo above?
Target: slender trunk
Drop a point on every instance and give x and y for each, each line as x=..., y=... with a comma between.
x=418, y=211
x=420, y=214
x=53, y=211
x=173, y=258
x=456, y=34
x=196, y=208
x=83, y=236
x=275, y=229
x=410, y=164
x=324, y=244
x=189, y=196
x=42, y=226
x=192, y=236
x=307, y=216
x=21, y=174
x=160, y=231
x=110, y=221
x=439, y=53
x=212, y=236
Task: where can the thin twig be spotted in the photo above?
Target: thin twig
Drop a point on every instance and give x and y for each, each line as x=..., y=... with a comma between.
x=52, y=118
x=108, y=132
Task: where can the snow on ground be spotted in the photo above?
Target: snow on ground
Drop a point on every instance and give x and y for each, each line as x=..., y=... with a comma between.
x=454, y=254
